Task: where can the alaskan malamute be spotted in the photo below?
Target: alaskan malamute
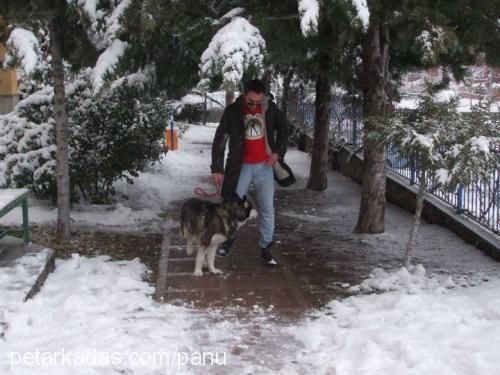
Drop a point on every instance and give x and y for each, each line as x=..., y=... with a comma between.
x=208, y=225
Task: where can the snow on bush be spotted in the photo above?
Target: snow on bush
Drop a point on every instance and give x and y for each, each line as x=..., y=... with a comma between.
x=113, y=135
x=235, y=49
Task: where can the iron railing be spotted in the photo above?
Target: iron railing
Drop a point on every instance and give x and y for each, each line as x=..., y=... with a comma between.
x=479, y=201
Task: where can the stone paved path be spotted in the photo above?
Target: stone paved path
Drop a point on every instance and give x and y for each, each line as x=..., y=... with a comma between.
x=319, y=256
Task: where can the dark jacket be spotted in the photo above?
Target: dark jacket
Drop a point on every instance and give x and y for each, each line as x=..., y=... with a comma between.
x=232, y=128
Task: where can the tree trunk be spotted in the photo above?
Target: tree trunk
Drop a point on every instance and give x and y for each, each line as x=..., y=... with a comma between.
x=319, y=159
x=375, y=101
x=229, y=97
x=416, y=221
x=286, y=92
x=62, y=167
x=267, y=78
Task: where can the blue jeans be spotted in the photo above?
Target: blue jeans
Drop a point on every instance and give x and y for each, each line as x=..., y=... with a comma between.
x=262, y=177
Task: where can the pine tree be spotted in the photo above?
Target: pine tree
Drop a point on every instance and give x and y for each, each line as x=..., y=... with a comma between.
x=235, y=51
x=58, y=17
x=79, y=34
x=448, y=148
x=401, y=36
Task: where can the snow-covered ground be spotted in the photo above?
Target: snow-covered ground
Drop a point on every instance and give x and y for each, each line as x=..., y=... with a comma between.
x=96, y=316
x=174, y=177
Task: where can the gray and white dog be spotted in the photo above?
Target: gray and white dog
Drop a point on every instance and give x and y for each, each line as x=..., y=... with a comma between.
x=208, y=225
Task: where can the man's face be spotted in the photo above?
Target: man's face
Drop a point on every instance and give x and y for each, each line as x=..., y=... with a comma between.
x=253, y=99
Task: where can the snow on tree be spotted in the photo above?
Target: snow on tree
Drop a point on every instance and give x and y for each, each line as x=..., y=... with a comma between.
x=23, y=47
x=309, y=11
x=107, y=61
x=363, y=14
x=448, y=148
x=104, y=28
x=237, y=48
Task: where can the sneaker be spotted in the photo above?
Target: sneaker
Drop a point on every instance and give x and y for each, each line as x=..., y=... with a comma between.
x=226, y=247
x=267, y=256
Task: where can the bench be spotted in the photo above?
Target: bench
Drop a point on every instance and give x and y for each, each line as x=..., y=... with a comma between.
x=10, y=199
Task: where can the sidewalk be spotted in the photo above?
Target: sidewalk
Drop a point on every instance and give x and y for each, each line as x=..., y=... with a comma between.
x=320, y=258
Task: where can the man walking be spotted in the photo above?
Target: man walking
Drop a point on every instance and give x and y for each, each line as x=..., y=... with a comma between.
x=257, y=135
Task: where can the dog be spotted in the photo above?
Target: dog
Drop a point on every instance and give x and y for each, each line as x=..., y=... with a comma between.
x=208, y=225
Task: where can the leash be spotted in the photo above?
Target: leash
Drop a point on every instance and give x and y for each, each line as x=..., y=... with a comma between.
x=202, y=193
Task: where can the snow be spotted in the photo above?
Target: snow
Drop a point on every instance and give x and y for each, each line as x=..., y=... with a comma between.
x=363, y=12
x=232, y=50
x=25, y=44
x=480, y=144
x=140, y=78
x=173, y=178
x=112, y=313
x=105, y=19
x=309, y=13
x=9, y=195
x=113, y=20
x=233, y=13
x=434, y=330
x=417, y=326
x=416, y=321
x=442, y=176
x=17, y=280
x=431, y=43
x=464, y=105
x=107, y=62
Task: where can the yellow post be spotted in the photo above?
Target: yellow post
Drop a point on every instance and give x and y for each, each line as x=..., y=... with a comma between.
x=171, y=142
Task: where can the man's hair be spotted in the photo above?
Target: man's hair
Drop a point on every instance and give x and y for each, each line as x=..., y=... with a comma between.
x=255, y=85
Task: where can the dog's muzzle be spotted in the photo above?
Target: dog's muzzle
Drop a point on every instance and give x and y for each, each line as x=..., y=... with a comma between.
x=253, y=214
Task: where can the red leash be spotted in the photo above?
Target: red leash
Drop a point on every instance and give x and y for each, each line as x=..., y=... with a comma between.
x=202, y=193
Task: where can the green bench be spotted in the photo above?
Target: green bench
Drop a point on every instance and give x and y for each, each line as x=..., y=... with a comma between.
x=10, y=199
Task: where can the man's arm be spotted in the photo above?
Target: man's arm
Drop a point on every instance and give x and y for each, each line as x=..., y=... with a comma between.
x=219, y=145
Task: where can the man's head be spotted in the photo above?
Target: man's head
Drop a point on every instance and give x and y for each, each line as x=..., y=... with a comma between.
x=253, y=93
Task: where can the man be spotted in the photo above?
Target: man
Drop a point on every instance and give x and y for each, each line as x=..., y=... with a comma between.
x=257, y=135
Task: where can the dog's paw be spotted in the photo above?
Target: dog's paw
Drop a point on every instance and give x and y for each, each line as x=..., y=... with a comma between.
x=197, y=273
x=216, y=271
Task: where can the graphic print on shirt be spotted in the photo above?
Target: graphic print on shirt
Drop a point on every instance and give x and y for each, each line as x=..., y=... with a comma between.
x=254, y=126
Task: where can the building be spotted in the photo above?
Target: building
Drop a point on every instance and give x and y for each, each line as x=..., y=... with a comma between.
x=8, y=86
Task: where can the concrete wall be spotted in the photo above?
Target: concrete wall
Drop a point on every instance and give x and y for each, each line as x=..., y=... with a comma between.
x=399, y=192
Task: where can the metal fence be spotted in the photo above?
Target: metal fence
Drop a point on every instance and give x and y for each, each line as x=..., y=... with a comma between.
x=479, y=201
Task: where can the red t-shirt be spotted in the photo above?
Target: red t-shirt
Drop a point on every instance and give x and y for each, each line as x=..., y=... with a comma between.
x=254, y=151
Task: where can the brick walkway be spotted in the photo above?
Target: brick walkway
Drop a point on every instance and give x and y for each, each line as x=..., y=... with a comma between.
x=319, y=255
x=246, y=282
x=312, y=263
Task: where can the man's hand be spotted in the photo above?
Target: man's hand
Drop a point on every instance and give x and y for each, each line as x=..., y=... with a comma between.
x=272, y=159
x=218, y=178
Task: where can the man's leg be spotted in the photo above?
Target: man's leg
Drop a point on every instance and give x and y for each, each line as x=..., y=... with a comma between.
x=264, y=185
x=244, y=182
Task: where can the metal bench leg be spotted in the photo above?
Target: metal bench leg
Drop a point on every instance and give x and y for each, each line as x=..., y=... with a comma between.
x=26, y=225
